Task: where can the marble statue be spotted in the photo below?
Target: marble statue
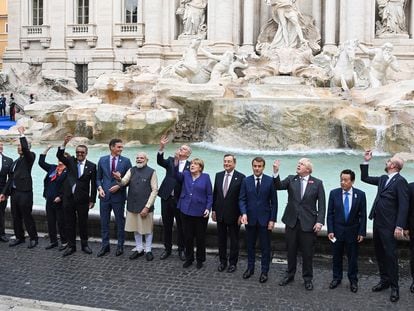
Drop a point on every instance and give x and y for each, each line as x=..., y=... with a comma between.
x=225, y=65
x=288, y=28
x=381, y=59
x=193, y=14
x=392, y=17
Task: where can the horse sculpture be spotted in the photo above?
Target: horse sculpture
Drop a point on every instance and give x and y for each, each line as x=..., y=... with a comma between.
x=345, y=66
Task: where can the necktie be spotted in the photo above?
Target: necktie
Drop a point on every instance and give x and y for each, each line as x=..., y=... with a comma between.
x=79, y=169
x=257, y=185
x=302, y=187
x=346, y=206
x=113, y=164
x=54, y=176
x=226, y=185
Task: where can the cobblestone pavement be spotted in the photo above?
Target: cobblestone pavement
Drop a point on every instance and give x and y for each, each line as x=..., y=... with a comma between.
x=119, y=283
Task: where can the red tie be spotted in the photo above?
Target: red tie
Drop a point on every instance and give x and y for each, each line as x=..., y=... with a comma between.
x=113, y=164
x=55, y=176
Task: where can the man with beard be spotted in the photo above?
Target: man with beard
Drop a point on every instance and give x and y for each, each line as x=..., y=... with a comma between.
x=142, y=192
x=389, y=213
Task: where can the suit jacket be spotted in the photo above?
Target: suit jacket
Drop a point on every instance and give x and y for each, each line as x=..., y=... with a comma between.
x=227, y=208
x=356, y=224
x=5, y=171
x=105, y=179
x=196, y=195
x=261, y=207
x=21, y=170
x=410, y=220
x=52, y=189
x=310, y=209
x=169, y=182
x=390, y=207
x=85, y=190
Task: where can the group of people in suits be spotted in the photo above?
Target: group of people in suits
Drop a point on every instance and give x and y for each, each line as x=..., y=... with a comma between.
x=188, y=198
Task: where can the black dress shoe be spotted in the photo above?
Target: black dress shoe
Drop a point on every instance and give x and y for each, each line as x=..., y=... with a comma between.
x=119, y=251
x=334, y=284
x=308, y=285
x=187, y=263
x=165, y=254
x=248, y=273
x=149, y=256
x=286, y=281
x=136, y=255
x=354, y=287
x=86, y=249
x=221, y=267
x=4, y=238
x=263, y=277
x=52, y=245
x=69, y=251
x=16, y=242
x=181, y=254
x=103, y=251
x=412, y=287
x=63, y=247
x=32, y=244
x=199, y=264
x=395, y=295
x=231, y=268
x=380, y=286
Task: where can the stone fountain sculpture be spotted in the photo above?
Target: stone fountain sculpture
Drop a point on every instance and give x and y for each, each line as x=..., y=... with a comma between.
x=193, y=15
x=392, y=21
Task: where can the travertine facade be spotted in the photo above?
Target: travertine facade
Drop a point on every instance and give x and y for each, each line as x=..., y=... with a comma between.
x=3, y=29
x=83, y=39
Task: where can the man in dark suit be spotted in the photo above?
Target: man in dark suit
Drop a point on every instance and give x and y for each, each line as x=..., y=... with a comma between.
x=169, y=192
x=5, y=165
x=347, y=223
x=304, y=217
x=258, y=206
x=20, y=188
x=79, y=195
x=389, y=213
x=226, y=211
x=112, y=195
x=410, y=226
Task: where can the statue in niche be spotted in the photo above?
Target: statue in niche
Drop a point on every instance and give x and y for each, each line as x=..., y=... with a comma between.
x=288, y=28
x=392, y=17
x=193, y=15
x=381, y=59
x=225, y=65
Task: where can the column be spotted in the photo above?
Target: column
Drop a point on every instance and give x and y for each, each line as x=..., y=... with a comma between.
x=330, y=23
x=248, y=25
x=352, y=20
x=411, y=26
x=223, y=36
x=12, y=54
x=153, y=21
x=317, y=13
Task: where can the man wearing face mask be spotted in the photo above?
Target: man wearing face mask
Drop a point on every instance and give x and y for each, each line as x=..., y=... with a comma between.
x=79, y=195
x=20, y=188
x=142, y=192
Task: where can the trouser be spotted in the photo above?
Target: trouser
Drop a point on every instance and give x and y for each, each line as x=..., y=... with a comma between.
x=264, y=237
x=194, y=227
x=223, y=231
x=412, y=252
x=21, y=209
x=297, y=239
x=386, y=253
x=76, y=212
x=169, y=211
x=55, y=217
x=352, y=253
x=105, y=215
x=2, y=217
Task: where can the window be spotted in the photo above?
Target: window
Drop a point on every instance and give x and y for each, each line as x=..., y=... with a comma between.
x=83, y=11
x=37, y=11
x=131, y=11
x=6, y=28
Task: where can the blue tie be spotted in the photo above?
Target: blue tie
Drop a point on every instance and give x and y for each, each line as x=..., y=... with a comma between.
x=346, y=206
